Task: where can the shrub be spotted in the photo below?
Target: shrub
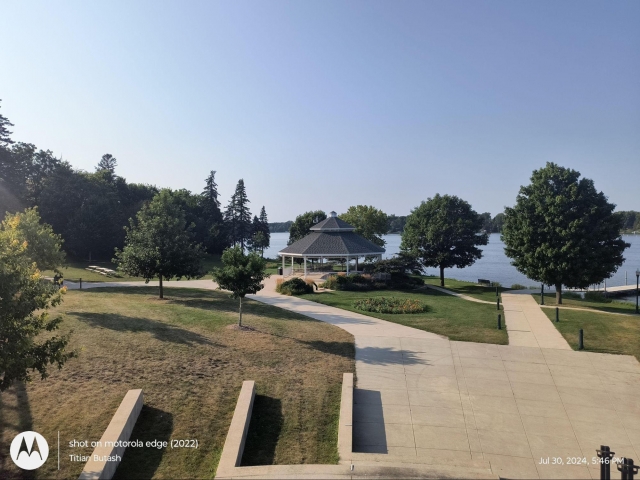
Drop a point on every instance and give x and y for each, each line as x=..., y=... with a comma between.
x=517, y=286
x=295, y=286
x=596, y=297
x=390, y=305
x=352, y=282
x=572, y=295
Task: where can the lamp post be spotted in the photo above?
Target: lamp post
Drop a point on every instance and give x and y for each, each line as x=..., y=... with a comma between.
x=637, y=289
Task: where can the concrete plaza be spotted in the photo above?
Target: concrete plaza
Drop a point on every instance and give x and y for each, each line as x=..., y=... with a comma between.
x=536, y=409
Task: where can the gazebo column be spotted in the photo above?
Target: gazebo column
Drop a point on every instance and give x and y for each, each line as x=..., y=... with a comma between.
x=305, y=267
x=283, y=266
x=356, y=264
x=348, y=262
x=291, y=265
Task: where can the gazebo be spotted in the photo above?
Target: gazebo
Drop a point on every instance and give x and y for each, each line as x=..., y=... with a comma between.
x=331, y=238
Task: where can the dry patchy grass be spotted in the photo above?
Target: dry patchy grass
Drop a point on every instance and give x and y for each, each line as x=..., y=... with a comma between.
x=191, y=368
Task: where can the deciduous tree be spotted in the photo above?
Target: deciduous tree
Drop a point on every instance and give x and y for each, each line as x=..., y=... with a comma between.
x=240, y=274
x=370, y=222
x=562, y=231
x=301, y=226
x=27, y=340
x=444, y=232
x=160, y=243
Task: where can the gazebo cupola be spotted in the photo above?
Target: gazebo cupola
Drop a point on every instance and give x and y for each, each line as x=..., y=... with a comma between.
x=331, y=238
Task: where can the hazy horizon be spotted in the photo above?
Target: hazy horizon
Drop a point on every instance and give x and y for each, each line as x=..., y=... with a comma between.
x=324, y=105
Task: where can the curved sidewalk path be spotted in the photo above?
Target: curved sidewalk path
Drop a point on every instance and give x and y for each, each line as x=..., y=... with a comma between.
x=484, y=410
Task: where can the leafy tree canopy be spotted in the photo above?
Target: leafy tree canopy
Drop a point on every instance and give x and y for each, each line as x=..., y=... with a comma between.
x=443, y=232
x=240, y=274
x=562, y=231
x=25, y=298
x=160, y=243
x=42, y=245
x=370, y=222
x=300, y=228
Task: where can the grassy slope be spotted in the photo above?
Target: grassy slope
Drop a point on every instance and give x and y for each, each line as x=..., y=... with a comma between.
x=76, y=269
x=602, y=332
x=613, y=306
x=467, y=288
x=450, y=316
x=191, y=368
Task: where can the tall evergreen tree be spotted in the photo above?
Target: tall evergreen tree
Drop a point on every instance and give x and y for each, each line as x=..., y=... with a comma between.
x=214, y=241
x=264, y=223
x=238, y=216
x=5, y=134
x=108, y=162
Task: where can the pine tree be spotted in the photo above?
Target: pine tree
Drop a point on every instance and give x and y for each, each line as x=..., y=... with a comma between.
x=214, y=237
x=107, y=162
x=264, y=229
x=238, y=216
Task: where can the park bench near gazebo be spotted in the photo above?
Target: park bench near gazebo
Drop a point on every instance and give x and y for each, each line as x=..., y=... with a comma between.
x=332, y=238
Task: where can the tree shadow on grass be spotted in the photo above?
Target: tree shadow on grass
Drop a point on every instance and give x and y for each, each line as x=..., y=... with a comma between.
x=264, y=431
x=142, y=463
x=160, y=330
x=24, y=423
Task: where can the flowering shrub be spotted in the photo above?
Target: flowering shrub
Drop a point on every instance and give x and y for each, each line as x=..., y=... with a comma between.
x=390, y=305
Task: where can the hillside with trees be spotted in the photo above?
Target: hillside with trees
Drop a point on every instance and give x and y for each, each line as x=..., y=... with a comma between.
x=90, y=210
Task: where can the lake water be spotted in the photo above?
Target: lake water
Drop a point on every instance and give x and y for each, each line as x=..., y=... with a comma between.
x=494, y=264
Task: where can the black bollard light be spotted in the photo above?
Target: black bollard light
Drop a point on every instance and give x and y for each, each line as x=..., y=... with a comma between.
x=542, y=294
x=499, y=322
x=627, y=469
x=497, y=295
x=498, y=303
x=605, y=454
x=581, y=340
x=557, y=314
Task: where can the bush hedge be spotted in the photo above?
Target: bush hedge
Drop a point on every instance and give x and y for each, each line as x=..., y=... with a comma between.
x=390, y=305
x=295, y=286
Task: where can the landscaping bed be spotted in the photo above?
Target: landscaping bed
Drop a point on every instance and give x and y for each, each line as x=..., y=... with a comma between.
x=447, y=315
x=191, y=366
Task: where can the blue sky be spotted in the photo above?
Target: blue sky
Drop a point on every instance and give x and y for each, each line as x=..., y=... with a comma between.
x=323, y=105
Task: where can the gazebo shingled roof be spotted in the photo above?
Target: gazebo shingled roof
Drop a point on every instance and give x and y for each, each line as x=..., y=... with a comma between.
x=332, y=238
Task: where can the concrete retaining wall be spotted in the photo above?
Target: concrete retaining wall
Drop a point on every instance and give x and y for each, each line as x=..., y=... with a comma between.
x=345, y=427
x=237, y=434
x=119, y=429
x=229, y=465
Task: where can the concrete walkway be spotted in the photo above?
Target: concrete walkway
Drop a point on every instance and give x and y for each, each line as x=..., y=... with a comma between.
x=527, y=325
x=424, y=400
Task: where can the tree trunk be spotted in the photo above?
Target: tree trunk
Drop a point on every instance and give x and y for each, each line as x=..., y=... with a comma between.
x=559, y=294
x=441, y=276
x=240, y=319
x=161, y=290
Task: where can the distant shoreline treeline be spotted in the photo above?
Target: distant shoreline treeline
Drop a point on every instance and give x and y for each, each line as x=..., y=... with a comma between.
x=397, y=223
x=631, y=222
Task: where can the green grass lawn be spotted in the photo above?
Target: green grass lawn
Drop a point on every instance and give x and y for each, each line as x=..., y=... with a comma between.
x=190, y=366
x=602, y=333
x=467, y=288
x=76, y=269
x=614, y=306
x=453, y=317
